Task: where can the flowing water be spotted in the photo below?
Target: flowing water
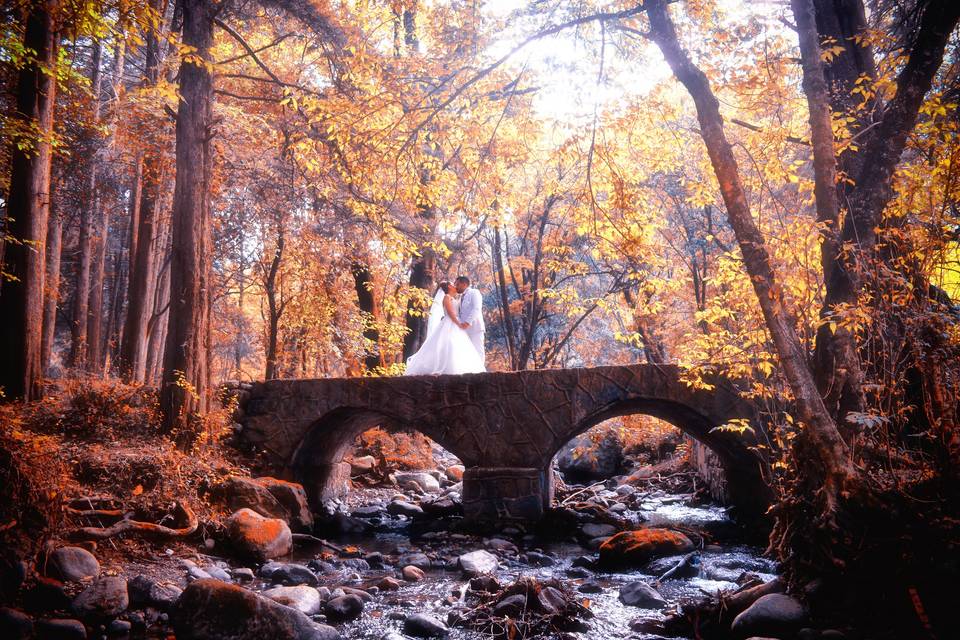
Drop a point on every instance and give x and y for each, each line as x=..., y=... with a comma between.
x=443, y=587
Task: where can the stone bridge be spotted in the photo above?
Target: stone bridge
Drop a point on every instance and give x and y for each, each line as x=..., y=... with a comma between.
x=505, y=427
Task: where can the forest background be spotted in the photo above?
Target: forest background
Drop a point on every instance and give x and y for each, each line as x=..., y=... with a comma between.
x=202, y=191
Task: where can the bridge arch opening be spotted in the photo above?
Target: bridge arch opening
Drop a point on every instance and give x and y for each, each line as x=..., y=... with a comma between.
x=319, y=464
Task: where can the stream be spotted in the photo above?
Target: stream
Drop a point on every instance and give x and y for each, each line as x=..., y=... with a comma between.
x=394, y=540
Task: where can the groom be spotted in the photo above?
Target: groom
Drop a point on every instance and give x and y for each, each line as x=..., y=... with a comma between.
x=471, y=313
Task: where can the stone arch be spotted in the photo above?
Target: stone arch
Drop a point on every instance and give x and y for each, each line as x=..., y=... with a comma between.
x=317, y=462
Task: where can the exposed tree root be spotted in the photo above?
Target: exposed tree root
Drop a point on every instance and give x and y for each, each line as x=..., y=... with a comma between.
x=128, y=525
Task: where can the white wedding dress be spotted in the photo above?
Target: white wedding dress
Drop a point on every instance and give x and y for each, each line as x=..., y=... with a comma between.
x=447, y=348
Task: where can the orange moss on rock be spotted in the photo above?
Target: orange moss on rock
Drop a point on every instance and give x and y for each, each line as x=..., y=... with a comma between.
x=635, y=548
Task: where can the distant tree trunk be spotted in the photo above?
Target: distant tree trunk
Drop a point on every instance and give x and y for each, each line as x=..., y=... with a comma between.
x=157, y=325
x=183, y=394
x=421, y=277
x=506, y=316
x=95, y=310
x=21, y=300
x=132, y=362
x=362, y=283
x=275, y=306
x=837, y=473
x=51, y=286
x=653, y=349
x=89, y=215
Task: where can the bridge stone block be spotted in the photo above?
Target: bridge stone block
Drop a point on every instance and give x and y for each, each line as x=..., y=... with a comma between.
x=505, y=493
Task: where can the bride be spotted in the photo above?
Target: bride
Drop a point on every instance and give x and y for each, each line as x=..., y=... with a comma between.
x=447, y=348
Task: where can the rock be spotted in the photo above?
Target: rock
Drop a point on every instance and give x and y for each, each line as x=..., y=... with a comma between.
x=242, y=574
x=588, y=458
x=455, y=472
x=213, y=610
x=640, y=594
x=14, y=624
x=349, y=524
x=417, y=481
x=302, y=598
x=146, y=592
x=345, y=607
x=593, y=530
x=196, y=573
x=293, y=498
x=118, y=628
x=105, y=598
x=71, y=563
x=387, y=583
x=499, y=544
x=477, y=562
x=590, y=586
x=538, y=559
x=257, y=537
x=218, y=573
x=246, y=493
x=291, y=574
x=393, y=635
x=400, y=508
x=636, y=548
x=551, y=600
x=412, y=573
x=360, y=593
x=362, y=465
x=774, y=614
x=511, y=605
x=47, y=594
x=419, y=560
x=60, y=629
x=578, y=572
x=442, y=507
x=423, y=626
x=486, y=583
x=13, y=571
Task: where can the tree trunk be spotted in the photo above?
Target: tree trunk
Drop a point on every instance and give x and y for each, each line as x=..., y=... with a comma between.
x=89, y=215
x=362, y=284
x=506, y=316
x=183, y=393
x=28, y=202
x=275, y=306
x=51, y=287
x=820, y=431
x=95, y=310
x=421, y=277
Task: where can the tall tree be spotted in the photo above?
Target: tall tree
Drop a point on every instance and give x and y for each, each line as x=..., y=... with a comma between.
x=28, y=202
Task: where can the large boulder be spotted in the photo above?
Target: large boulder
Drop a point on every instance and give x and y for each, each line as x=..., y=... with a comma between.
x=775, y=614
x=636, y=548
x=214, y=610
x=346, y=607
x=146, y=592
x=420, y=625
x=14, y=624
x=71, y=563
x=590, y=457
x=238, y=492
x=417, y=481
x=257, y=537
x=293, y=498
x=104, y=598
x=60, y=629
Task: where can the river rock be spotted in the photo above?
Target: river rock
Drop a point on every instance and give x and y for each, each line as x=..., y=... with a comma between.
x=420, y=625
x=47, y=594
x=348, y=524
x=13, y=571
x=401, y=508
x=14, y=624
x=419, y=560
x=258, y=537
x=590, y=586
x=511, y=605
x=302, y=598
x=412, y=573
x=362, y=465
x=387, y=583
x=595, y=530
x=72, y=563
x=418, y=481
x=242, y=574
x=640, y=594
x=105, y=598
x=291, y=574
x=293, y=498
x=60, y=629
x=538, y=559
x=146, y=592
x=775, y=614
x=346, y=607
x=213, y=610
x=477, y=562
x=455, y=472
x=448, y=505
x=587, y=458
x=246, y=493
x=636, y=548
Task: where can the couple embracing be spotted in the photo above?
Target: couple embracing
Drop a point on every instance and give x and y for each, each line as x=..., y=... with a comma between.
x=454, y=342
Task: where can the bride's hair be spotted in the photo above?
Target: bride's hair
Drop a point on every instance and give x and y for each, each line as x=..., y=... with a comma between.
x=443, y=286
